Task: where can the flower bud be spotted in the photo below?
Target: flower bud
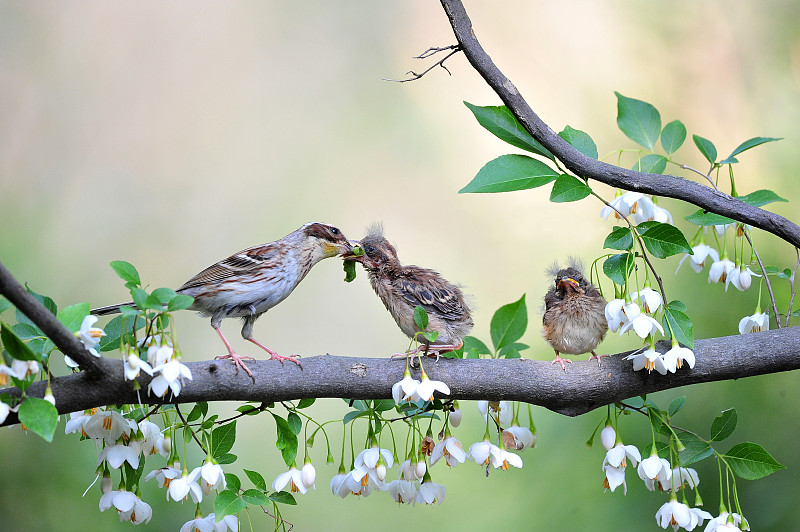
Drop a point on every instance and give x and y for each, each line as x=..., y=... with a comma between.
x=455, y=416
x=420, y=468
x=608, y=437
x=380, y=472
x=308, y=475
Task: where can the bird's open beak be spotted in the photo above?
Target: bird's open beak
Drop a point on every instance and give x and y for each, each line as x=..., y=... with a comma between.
x=354, y=253
x=568, y=282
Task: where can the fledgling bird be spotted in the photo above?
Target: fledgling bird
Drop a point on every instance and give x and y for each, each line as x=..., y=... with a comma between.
x=252, y=281
x=402, y=288
x=574, y=320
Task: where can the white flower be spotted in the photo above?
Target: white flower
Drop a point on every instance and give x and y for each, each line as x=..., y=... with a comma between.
x=90, y=336
x=618, y=455
x=501, y=459
x=452, y=451
x=654, y=469
x=402, y=491
x=339, y=485
x=501, y=411
x=293, y=477
x=171, y=377
x=482, y=451
x=198, y=524
x=152, y=442
x=360, y=486
x=660, y=214
x=108, y=425
x=615, y=476
x=122, y=500
x=756, y=323
x=698, y=515
x=649, y=359
x=24, y=368
x=427, y=387
x=180, y=488
x=679, y=476
x=164, y=476
x=608, y=437
x=431, y=493
x=455, y=416
x=698, y=259
x=720, y=523
x=618, y=313
x=133, y=364
x=721, y=228
x=118, y=454
x=309, y=475
x=415, y=471
x=518, y=438
x=740, y=277
x=213, y=478
x=720, y=269
x=643, y=325
x=49, y=397
x=140, y=513
x=405, y=390
x=371, y=464
x=673, y=513
x=4, y=410
x=676, y=356
x=229, y=522
x=626, y=204
x=649, y=298
x=5, y=373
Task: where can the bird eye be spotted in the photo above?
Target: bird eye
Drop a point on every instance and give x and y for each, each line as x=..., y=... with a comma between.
x=370, y=249
x=334, y=231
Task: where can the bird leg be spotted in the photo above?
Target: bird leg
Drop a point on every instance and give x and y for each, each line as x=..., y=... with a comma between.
x=561, y=361
x=273, y=355
x=237, y=360
x=598, y=357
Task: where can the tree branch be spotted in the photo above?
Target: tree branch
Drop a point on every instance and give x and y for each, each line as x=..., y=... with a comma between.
x=588, y=168
x=65, y=341
x=581, y=389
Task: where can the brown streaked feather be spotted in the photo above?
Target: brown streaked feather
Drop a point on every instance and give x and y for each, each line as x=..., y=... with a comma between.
x=424, y=287
x=242, y=265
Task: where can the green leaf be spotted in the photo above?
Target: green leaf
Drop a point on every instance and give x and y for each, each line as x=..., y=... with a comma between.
x=569, y=188
x=705, y=218
x=223, y=438
x=695, y=448
x=619, y=267
x=760, y=198
x=16, y=347
x=512, y=350
x=233, y=482
x=283, y=497
x=257, y=479
x=663, y=240
x=255, y=497
x=752, y=143
x=470, y=343
x=113, y=330
x=26, y=332
x=706, y=147
x=677, y=403
x=510, y=172
x=294, y=422
x=723, y=425
x=639, y=120
x=139, y=297
x=750, y=461
x=620, y=238
x=349, y=270
x=305, y=403
x=287, y=440
x=39, y=416
x=199, y=410
x=5, y=304
x=580, y=140
x=680, y=323
x=227, y=503
x=226, y=458
x=672, y=136
x=502, y=123
x=651, y=164
x=126, y=272
x=420, y=317
x=431, y=336
x=350, y=416
x=509, y=323
x=382, y=405
x=180, y=302
x=72, y=316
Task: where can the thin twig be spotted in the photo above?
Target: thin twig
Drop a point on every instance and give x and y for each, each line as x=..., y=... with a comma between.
x=455, y=48
x=186, y=424
x=766, y=277
x=791, y=285
x=687, y=167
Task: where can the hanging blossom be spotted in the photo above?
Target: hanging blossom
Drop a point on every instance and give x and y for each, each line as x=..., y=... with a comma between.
x=450, y=449
x=402, y=491
x=608, y=437
x=654, y=469
x=758, y=322
x=430, y=492
x=643, y=325
x=697, y=260
x=676, y=356
x=619, y=312
x=140, y=513
x=120, y=499
x=725, y=522
x=650, y=299
x=518, y=438
x=427, y=387
x=674, y=513
x=165, y=475
x=625, y=204
x=134, y=365
x=502, y=412
x=720, y=269
x=293, y=478
x=406, y=389
x=371, y=464
x=171, y=377
x=649, y=359
x=681, y=476
x=109, y=426
x=118, y=454
x=180, y=488
x=308, y=474
x=415, y=470
x=740, y=277
x=615, y=463
x=89, y=337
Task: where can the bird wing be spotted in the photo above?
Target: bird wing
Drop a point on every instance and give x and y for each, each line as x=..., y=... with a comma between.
x=427, y=289
x=242, y=264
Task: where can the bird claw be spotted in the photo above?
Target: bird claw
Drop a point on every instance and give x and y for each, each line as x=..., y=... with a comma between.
x=237, y=360
x=276, y=356
x=561, y=361
x=598, y=357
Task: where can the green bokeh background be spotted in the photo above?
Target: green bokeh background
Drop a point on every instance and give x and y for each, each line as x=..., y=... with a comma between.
x=171, y=135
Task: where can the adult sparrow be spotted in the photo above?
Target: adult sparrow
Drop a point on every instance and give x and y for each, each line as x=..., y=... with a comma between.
x=402, y=288
x=252, y=281
x=574, y=320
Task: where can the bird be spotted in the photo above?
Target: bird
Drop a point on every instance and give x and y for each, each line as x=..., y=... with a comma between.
x=403, y=288
x=252, y=281
x=574, y=320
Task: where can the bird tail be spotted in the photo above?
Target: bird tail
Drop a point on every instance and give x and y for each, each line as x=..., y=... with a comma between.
x=111, y=309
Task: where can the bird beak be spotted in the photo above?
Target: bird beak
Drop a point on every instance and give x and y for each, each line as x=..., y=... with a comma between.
x=354, y=253
x=346, y=248
x=568, y=282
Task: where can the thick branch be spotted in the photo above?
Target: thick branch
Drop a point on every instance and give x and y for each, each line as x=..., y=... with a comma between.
x=66, y=342
x=581, y=389
x=588, y=168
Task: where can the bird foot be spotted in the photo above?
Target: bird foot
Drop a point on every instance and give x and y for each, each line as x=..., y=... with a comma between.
x=561, y=361
x=598, y=357
x=237, y=360
x=293, y=358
